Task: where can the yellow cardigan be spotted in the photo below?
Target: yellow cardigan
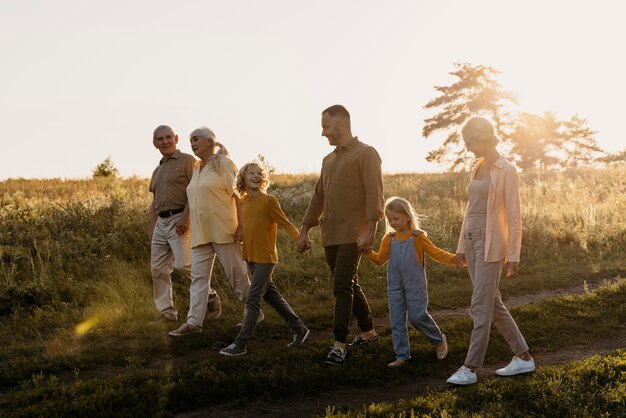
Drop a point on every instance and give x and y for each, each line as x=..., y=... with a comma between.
x=503, y=234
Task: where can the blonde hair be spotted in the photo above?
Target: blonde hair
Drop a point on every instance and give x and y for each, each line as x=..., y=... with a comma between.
x=240, y=181
x=204, y=132
x=480, y=129
x=401, y=205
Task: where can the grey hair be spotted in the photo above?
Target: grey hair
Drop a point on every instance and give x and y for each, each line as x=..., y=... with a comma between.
x=207, y=133
x=158, y=128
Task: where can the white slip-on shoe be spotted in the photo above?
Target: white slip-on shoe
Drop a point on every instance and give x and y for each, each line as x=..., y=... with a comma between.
x=517, y=366
x=463, y=376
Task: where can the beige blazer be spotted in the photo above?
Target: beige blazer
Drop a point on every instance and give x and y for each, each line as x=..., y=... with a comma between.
x=503, y=234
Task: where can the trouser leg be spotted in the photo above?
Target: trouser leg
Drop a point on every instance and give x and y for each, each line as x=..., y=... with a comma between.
x=202, y=259
x=343, y=261
x=235, y=268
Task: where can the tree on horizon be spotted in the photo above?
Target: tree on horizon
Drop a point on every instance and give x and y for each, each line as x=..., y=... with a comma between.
x=475, y=92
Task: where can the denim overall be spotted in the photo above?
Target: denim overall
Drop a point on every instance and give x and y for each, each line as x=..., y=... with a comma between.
x=408, y=297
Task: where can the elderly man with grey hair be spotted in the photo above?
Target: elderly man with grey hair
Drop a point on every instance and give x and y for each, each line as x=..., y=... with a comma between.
x=170, y=240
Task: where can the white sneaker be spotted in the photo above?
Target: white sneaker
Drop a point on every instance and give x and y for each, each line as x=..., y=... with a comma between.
x=463, y=376
x=517, y=366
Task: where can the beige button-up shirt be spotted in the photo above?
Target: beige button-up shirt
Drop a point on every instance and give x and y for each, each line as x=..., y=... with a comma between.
x=169, y=181
x=503, y=231
x=348, y=194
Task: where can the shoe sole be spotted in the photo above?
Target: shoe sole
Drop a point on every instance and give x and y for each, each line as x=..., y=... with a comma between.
x=515, y=374
x=462, y=384
x=182, y=335
x=362, y=342
x=175, y=334
x=394, y=365
x=334, y=363
x=233, y=354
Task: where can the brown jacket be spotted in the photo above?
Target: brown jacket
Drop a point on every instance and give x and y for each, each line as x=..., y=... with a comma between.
x=348, y=194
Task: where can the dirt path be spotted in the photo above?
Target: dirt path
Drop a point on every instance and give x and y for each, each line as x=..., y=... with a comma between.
x=312, y=405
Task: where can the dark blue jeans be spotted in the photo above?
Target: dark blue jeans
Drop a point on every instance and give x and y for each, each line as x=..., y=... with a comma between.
x=262, y=286
x=343, y=261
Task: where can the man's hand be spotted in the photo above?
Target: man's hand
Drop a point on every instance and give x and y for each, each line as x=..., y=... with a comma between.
x=366, y=240
x=303, y=243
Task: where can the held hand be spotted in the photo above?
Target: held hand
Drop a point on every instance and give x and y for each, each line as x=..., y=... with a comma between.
x=181, y=229
x=303, y=243
x=459, y=260
x=238, y=235
x=511, y=269
x=364, y=243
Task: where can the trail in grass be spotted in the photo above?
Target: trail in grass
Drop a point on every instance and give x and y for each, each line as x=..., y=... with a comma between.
x=341, y=399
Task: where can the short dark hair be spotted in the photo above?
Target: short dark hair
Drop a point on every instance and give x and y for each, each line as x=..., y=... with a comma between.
x=337, y=110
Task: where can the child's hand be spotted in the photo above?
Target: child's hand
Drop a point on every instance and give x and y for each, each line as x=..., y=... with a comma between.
x=459, y=260
x=511, y=269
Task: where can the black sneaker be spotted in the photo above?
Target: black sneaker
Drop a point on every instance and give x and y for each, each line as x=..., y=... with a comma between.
x=336, y=356
x=299, y=337
x=214, y=307
x=233, y=350
x=359, y=341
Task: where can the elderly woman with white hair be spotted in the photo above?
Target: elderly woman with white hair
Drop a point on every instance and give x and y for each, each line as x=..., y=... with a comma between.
x=216, y=229
x=491, y=237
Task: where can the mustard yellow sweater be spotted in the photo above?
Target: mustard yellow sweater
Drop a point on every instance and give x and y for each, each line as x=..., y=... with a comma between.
x=422, y=245
x=261, y=215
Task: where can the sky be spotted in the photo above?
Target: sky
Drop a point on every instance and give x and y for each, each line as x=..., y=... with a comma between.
x=81, y=81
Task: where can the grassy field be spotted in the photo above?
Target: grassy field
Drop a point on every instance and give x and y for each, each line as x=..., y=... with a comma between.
x=76, y=293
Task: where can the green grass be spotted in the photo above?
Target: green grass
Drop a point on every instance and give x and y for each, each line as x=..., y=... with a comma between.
x=300, y=371
x=592, y=387
x=76, y=252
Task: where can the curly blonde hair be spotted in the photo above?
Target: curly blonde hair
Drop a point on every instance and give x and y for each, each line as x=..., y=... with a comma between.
x=240, y=181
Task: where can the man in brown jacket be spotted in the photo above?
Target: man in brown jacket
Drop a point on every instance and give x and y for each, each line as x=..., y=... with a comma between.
x=348, y=197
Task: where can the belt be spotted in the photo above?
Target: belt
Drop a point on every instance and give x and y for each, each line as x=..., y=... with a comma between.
x=168, y=213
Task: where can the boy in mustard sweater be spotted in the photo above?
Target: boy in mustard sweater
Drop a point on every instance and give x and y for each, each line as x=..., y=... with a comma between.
x=261, y=214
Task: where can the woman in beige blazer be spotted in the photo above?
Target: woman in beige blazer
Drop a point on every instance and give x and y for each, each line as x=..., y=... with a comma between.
x=491, y=237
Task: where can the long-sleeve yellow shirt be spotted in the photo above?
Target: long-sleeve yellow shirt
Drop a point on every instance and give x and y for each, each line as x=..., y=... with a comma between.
x=261, y=216
x=422, y=245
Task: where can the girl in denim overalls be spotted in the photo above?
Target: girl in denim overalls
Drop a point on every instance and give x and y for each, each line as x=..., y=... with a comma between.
x=404, y=246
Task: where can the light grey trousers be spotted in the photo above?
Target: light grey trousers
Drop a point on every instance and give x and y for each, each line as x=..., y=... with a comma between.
x=168, y=252
x=202, y=259
x=487, y=306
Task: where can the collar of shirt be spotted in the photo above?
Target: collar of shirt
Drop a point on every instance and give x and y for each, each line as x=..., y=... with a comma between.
x=351, y=144
x=175, y=156
x=498, y=163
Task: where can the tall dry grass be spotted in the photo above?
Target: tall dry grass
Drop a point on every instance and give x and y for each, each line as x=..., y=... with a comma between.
x=76, y=252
